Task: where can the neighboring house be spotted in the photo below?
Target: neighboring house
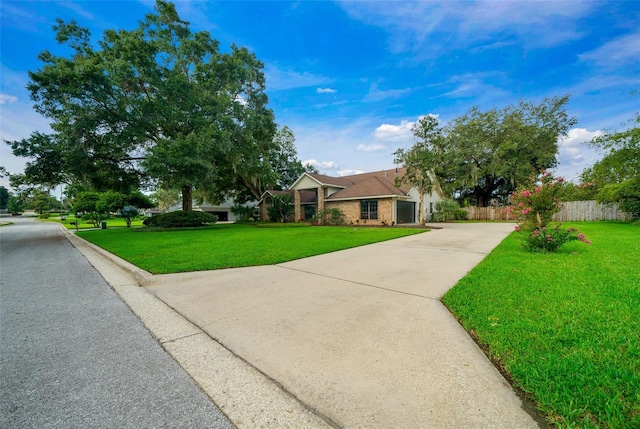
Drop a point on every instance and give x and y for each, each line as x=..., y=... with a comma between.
x=223, y=211
x=369, y=198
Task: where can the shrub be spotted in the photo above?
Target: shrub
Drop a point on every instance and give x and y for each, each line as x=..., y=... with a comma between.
x=44, y=215
x=626, y=193
x=281, y=208
x=244, y=213
x=181, y=219
x=448, y=211
x=333, y=216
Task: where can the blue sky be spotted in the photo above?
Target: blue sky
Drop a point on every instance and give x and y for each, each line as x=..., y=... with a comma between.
x=350, y=78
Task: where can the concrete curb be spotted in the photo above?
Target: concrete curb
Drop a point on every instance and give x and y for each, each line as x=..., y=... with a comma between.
x=245, y=395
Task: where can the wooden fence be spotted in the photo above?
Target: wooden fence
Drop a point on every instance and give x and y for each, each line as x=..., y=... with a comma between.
x=570, y=211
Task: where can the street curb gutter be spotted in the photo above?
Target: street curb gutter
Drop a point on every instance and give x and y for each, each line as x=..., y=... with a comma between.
x=246, y=396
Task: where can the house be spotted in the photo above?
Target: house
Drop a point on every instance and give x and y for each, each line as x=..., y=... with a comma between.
x=367, y=199
x=223, y=210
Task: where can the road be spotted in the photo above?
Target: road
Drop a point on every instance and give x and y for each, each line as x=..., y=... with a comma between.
x=73, y=355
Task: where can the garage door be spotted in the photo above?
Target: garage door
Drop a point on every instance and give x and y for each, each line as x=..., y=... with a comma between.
x=406, y=212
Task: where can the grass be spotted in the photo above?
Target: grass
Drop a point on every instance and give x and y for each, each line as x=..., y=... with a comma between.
x=227, y=246
x=564, y=327
x=115, y=222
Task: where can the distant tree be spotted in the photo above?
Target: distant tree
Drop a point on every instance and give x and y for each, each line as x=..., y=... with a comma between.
x=97, y=206
x=15, y=205
x=286, y=162
x=486, y=155
x=156, y=103
x=419, y=159
x=278, y=170
x=42, y=201
x=165, y=198
x=4, y=197
x=621, y=159
x=617, y=174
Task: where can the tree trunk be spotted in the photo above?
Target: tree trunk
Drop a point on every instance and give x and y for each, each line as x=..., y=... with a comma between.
x=421, y=209
x=187, y=201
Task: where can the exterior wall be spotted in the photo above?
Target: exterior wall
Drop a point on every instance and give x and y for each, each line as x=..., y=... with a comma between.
x=307, y=183
x=351, y=210
x=430, y=200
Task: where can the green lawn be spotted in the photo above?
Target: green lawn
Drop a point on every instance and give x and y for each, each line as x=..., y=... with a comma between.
x=565, y=327
x=226, y=246
x=116, y=222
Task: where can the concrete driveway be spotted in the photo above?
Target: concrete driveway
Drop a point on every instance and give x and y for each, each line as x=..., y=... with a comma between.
x=359, y=337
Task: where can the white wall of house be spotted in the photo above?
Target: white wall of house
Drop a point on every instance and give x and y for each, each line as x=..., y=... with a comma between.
x=430, y=201
x=224, y=207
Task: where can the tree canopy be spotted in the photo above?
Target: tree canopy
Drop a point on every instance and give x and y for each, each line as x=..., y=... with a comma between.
x=485, y=155
x=617, y=174
x=159, y=103
x=621, y=159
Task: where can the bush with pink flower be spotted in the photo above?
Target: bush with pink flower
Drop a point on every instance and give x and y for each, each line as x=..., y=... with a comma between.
x=534, y=203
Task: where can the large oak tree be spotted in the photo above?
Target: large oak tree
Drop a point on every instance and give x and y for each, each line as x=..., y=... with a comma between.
x=485, y=155
x=158, y=103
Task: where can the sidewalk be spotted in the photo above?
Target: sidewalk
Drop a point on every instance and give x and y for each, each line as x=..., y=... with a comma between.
x=356, y=338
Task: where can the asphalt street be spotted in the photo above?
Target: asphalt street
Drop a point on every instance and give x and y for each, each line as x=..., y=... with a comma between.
x=73, y=355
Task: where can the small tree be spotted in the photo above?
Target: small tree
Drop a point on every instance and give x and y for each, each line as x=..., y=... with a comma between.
x=92, y=208
x=419, y=159
x=534, y=203
x=128, y=213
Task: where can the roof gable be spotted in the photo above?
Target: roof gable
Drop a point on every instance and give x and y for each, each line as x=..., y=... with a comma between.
x=369, y=187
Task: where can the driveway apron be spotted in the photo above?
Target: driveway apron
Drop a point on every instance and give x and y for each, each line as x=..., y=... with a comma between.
x=360, y=335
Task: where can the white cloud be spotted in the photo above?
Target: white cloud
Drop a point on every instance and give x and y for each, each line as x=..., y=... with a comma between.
x=343, y=173
x=326, y=90
x=79, y=10
x=434, y=28
x=376, y=94
x=370, y=148
x=321, y=165
x=395, y=133
x=478, y=86
x=613, y=54
x=573, y=153
x=280, y=79
x=5, y=98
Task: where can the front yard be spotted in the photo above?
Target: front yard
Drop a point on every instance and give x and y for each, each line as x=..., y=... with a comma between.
x=564, y=327
x=228, y=246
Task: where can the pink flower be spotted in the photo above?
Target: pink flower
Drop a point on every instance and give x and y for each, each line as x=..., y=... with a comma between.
x=526, y=193
x=520, y=204
x=517, y=228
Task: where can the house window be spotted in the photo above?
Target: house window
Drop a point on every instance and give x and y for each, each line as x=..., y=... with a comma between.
x=368, y=209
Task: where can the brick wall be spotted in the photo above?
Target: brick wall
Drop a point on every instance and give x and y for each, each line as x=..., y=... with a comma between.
x=351, y=210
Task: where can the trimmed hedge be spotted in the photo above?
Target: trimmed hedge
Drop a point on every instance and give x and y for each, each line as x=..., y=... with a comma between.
x=180, y=219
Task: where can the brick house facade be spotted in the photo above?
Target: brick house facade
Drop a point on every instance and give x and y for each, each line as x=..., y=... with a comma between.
x=377, y=198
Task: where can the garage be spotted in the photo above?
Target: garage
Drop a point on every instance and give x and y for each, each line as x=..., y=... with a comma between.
x=405, y=212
